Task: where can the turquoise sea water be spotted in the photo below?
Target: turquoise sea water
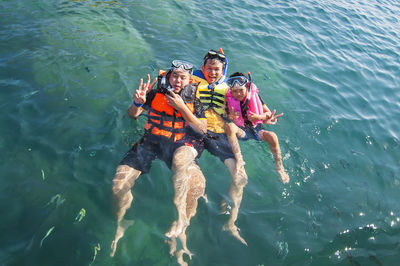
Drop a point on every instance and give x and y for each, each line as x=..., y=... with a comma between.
x=68, y=70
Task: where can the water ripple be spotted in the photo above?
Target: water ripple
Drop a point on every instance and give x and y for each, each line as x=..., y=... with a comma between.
x=68, y=71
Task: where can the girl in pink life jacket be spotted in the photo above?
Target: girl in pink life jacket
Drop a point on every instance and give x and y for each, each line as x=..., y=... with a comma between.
x=249, y=113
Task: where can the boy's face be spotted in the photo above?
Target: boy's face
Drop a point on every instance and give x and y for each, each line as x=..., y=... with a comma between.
x=212, y=70
x=178, y=79
x=239, y=92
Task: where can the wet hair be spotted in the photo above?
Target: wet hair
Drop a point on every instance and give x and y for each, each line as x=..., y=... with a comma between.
x=237, y=74
x=213, y=58
x=174, y=69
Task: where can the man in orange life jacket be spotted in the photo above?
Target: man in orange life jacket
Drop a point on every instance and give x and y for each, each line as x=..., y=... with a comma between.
x=171, y=108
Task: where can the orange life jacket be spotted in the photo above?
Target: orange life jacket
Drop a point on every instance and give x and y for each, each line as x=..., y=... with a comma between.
x=164, y=120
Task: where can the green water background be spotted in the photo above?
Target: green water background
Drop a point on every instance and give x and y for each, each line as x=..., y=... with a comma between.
x=68, y=70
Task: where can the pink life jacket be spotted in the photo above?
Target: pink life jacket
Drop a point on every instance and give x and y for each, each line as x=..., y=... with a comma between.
x=255, y=105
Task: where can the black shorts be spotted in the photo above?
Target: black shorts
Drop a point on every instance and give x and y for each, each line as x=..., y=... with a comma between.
x=217, y=144
x=151, y=147
x=192, y=141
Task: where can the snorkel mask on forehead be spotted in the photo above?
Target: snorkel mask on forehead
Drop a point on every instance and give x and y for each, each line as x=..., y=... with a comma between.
x=215, y=54
x=180, y=64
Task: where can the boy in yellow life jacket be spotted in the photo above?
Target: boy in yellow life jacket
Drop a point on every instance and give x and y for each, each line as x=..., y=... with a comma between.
x=171, y=108
x=211, y=92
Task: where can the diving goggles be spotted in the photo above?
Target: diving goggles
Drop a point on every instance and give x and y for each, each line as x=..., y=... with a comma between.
x=213, y=54
x=183, y=65
x=240, y=80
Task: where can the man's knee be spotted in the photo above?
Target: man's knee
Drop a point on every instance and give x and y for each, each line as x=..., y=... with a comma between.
x=240, y=180
x=183, y=156
x=124, y=179
x=196, y=177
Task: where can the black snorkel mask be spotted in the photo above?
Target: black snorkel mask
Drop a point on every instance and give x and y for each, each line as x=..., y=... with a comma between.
x=240, y=80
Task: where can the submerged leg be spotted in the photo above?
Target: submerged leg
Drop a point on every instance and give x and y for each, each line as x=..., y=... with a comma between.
x=172, y=245
x=239, y=181
x=233, y=132
x=197, y=184
x=121, y=198
x=188, y=190
x=273, y=142
x=182, y=160
x=179, y=257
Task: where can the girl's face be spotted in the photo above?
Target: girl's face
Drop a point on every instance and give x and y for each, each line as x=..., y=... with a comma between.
x=239, y=92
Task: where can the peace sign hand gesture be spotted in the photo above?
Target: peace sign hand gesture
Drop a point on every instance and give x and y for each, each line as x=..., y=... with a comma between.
x=140, y=93
x=272, y=119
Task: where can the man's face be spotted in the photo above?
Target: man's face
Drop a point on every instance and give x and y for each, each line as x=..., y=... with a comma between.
x=239, y=92
x=213, y=70
x=178, y=79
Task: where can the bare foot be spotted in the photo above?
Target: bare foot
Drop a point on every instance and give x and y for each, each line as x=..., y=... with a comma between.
x=179, y=256
x=176, y=229
x=283, y=175
x=122, y=226
x=185, y=249
x=235, y=232
x=172, y=246
x=187, y=252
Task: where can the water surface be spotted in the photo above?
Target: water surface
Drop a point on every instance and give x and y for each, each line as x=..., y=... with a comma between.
x=68, y=70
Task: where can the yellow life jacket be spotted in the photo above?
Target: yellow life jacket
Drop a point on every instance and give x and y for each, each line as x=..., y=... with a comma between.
x=213, y=101
x=211, y=98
